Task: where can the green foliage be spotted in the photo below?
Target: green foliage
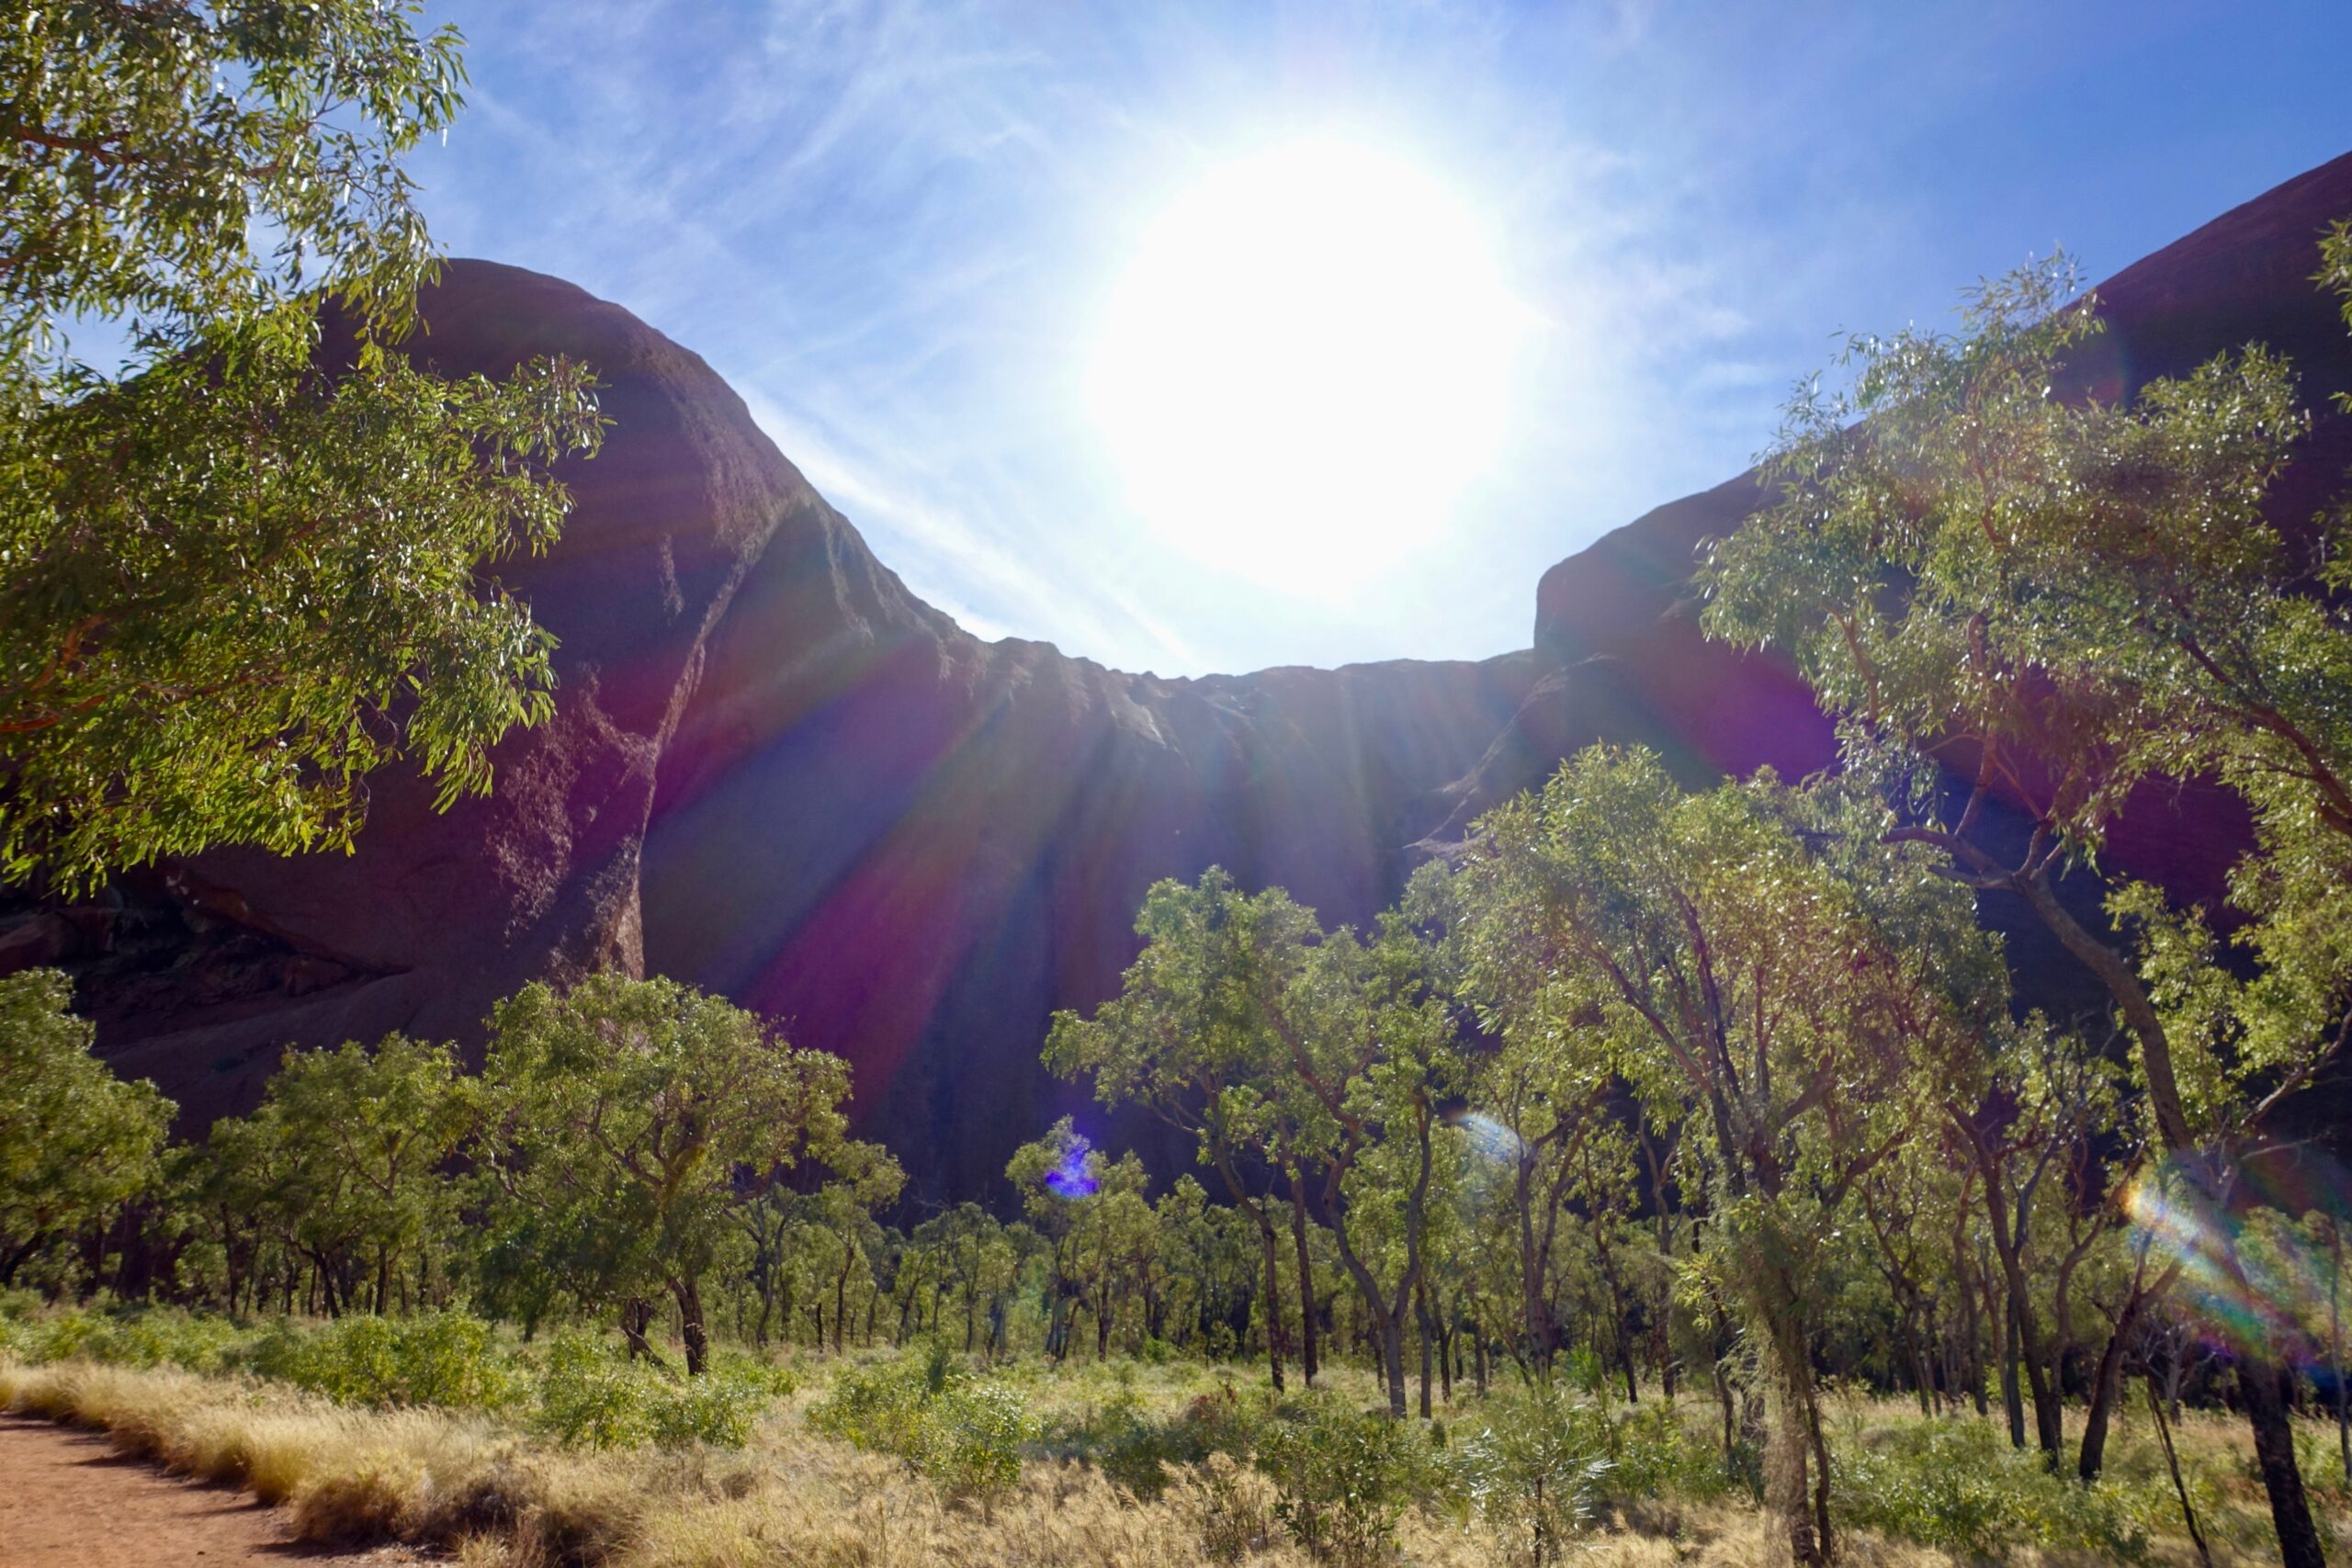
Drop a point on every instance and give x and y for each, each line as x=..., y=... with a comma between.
x=1538, y=1470
x=241, y=573
x=963, y=1432
x=1343, y=1478
x=2080, y=596
x=450, y=1359
x=622, y=1115
x=973, y=1432
x=345, y=1161
x=1137, y=1446
x=1540, y=1464
x=1960, y=1486
x=125, y=1337
x=589, y=1396
x=146, y=147
x=877, y=1406
x=75, y=1141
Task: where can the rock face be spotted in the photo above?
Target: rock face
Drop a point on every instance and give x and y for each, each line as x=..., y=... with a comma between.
x=776, y=773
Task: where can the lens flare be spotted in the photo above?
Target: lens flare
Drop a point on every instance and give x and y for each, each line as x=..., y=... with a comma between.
x=1074, y=1177
x=2252, y=1290
x=1491, y=1138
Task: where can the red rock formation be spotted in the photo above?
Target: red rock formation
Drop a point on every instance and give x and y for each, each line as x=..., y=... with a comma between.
x=774, y=771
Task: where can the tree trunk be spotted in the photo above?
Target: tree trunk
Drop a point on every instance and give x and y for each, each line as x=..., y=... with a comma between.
x=1308, y=1362
x=1276, y=1332
x=2298, y=1542
x=1792, y=1493
x=1427, y=1335
x=2106, y=1386
x=637, y=1316
x=687, y=1291
x=2264, y=1384
x=2172, y=1464
x=2010, y=1402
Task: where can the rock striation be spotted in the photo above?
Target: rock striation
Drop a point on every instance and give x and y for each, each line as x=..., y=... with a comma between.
x=776, y=773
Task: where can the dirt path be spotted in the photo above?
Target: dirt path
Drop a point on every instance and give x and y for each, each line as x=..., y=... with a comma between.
x=69, y=1501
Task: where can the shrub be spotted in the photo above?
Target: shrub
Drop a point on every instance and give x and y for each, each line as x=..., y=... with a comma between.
x=1537, y=1471
x=972, y=1435
x=127, y=1337
x=590, y=1398
x=964, y=1433
x=1342, y=1479
x=446, y=1358
x=720, y=1407
x=878, y=1406
x=1954, y=1484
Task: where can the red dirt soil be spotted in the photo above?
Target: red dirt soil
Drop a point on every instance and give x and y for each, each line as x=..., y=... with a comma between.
x=67, y=1500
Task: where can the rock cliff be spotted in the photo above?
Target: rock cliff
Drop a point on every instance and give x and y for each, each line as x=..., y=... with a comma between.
x=776, y=773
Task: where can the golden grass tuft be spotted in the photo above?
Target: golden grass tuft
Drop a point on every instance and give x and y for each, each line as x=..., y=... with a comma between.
x=491, y=1496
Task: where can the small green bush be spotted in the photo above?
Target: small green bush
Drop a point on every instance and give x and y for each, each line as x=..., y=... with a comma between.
x=126, y=1337
x=877, y=1406
x=925, y=1407
x=589, y=1397
x=592, y=1396
x=1342, y=1479
x=972, y=1435
x=446, y=1359
x=721, y=1407
x=1957, y=1485
x=1537, y=1469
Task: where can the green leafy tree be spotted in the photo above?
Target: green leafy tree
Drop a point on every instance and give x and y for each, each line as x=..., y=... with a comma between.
x=240, y=572
x=347, y=1157
x=1796, y=1015
x=75, y=1142
x=1537, y=1097
x=2061, y=600
x=864, y=1177
x=1187, y=1036
x=1280, y=1046
x=623, y=1116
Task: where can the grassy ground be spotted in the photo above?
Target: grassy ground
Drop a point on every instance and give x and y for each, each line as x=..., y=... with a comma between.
x=493, y=1489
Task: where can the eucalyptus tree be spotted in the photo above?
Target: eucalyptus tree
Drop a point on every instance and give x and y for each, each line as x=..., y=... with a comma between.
x=2046, y=1135
x=2063, y=598
x=1798, y=1011
x=240, y=571
x=622, y=1119
x=1371, y=1058
x=839, y=1216
x=1279, y=1045
x=1054, y=1174
x=347, y=1157
x=1538, y=1097
x=75, y=1141
x=1188, y=1037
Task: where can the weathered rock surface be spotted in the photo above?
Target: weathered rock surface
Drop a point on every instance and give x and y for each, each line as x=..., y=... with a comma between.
x=775, y=772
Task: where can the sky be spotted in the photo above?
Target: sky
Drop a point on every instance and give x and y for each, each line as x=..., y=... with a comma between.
x=910, y=234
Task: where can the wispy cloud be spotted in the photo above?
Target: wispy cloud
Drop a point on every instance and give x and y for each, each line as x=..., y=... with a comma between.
x=890, y=224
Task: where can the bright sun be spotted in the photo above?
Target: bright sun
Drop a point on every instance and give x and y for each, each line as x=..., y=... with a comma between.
x=1306, y=363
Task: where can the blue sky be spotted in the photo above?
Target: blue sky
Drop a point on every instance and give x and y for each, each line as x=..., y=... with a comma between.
x=897, y=228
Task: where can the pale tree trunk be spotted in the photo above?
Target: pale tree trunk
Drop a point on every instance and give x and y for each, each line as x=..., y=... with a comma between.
x=1796, y=1468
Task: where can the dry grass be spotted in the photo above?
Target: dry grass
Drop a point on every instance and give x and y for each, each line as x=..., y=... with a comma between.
x=492, y=1497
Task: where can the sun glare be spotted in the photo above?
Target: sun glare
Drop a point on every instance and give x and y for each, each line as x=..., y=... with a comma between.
x=1306, y=364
